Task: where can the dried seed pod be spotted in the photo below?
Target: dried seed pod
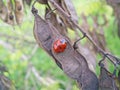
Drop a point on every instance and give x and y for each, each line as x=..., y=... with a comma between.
x=11, y=17
x=43, y=36
x=73, y=63
x=3, y=11
x=106, y=81
x=19, y=12
x=68, y=7
x=56, y=21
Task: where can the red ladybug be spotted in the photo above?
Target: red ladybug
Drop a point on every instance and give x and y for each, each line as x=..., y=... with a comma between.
x=59, y=45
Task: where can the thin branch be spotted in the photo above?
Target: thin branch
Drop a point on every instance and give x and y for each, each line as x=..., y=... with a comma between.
x=68, y=17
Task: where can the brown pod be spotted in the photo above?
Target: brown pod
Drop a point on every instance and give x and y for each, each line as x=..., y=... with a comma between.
x=43, y=35
x=56, y=21
x=3, y=11
x=19, y=12
x=73, y=63
x=67, y=7
x=11, y=17
x=106, y=81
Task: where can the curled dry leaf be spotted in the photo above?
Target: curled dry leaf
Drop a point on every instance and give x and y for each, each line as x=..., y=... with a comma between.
x=19, y=12
x=73, y=63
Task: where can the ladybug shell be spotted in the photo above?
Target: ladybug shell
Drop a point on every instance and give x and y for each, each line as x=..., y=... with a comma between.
x=59, y=45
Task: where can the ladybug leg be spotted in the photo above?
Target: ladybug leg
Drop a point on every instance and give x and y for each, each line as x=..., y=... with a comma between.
x=74, y=45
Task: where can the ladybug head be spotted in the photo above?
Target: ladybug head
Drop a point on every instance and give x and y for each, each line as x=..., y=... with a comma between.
x=59, y=45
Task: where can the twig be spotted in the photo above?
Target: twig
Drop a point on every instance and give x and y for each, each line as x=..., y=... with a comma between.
x=68, y=17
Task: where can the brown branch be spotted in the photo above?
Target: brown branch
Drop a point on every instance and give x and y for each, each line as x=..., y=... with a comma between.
x=72, y=62
x=68, y=17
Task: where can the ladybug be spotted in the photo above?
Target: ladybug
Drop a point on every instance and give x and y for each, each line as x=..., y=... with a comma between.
x=59, y=45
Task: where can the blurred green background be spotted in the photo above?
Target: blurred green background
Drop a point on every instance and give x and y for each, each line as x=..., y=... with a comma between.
x=30, y=68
